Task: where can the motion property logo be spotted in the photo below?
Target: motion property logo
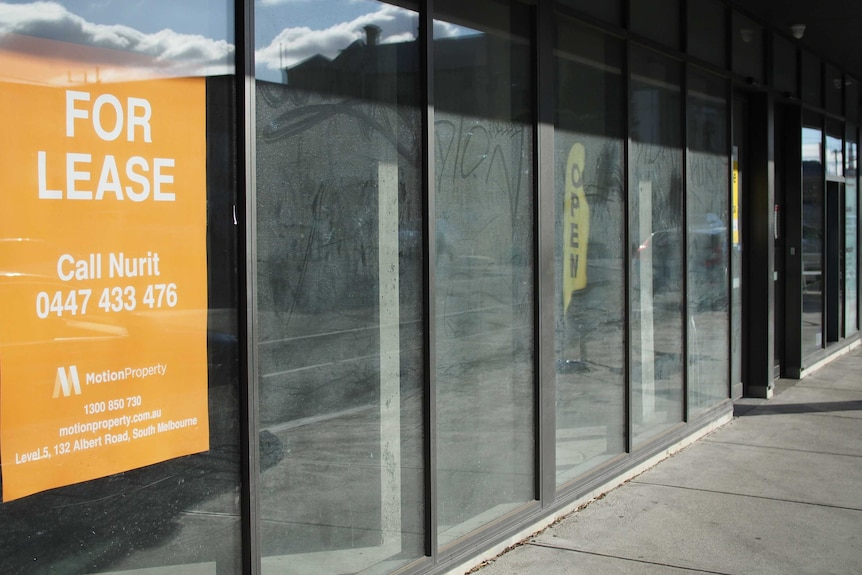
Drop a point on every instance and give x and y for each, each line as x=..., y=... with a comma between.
x=67, y=382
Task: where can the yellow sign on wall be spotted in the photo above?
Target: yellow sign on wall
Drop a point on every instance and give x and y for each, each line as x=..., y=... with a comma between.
x=576, y=225
x=103, y=280
x=735, y=200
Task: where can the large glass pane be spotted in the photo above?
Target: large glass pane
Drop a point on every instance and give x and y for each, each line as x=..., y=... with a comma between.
x=657, y=20
x=812, y=237
x=119, y=417
x=707, y=205
x=707, y=31
x=609, y=10
x=484, y=265
x=834, y=154
x=655, y=212
x=851, y=238
x=589, y=248
x=339, y=292
x=738, y=193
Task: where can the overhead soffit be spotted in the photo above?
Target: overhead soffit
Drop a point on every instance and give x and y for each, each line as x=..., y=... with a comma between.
x=833, y=28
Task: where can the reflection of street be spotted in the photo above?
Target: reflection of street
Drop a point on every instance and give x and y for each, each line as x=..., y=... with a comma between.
x=590, y=373
x=485, y=391
x=331, y=487
x=657, y=362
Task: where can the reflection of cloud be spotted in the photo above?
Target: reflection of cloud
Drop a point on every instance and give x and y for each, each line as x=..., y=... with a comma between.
x=293, y=45
x=172, y=53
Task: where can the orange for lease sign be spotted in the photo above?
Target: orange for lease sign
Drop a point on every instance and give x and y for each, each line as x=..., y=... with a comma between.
x=103, y=280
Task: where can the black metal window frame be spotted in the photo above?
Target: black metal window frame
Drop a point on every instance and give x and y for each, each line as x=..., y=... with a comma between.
x=548, y=497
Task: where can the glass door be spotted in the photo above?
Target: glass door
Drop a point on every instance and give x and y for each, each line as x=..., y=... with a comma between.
x=812, y=235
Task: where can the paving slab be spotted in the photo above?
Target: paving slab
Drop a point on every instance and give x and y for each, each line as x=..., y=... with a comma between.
x=813, y=432
x=812, y=399
x=846, y=375
x=776, y=491
x=791, y=475
x=844, y=372
x=714, y=532
x=555, y=561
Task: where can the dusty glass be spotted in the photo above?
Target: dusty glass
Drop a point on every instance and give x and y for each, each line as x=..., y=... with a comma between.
x=707, y=204
x=589, y=335
x=484, y=233
x=129, y=80
x=339, y=286
x=656, y=189
x=851, y=238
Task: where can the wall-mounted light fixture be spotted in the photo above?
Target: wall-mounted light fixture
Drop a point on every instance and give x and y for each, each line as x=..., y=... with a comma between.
x=798, y=31
x=747, y=34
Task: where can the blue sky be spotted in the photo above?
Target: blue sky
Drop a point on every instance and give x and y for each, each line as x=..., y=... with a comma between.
x=207, y=18
x=201, y=31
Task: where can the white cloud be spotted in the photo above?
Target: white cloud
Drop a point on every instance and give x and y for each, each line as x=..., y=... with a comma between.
x=277, y=2
x=293, y=45
x=171, y=53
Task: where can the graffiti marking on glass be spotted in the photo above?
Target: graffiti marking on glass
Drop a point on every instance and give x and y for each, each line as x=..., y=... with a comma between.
x=576, y=229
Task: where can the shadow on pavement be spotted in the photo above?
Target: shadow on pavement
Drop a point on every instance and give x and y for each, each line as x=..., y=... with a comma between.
x=781, y=409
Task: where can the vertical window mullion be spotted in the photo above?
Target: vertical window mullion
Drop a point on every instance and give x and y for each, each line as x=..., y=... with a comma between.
x=627, y=149
x=247, y=221
x=426, y=20
x=544, y=228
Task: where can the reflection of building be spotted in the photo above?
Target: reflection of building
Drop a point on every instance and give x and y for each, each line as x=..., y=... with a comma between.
x=399, y=377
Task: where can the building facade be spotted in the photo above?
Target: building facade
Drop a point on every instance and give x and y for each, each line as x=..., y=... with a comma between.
x=359, y=286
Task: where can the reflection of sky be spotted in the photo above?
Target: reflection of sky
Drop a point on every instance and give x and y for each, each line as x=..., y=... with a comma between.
x=273, y=16
x=208, y=18
x=834, y=156
x=198, y=34
x=122, y=39
x=811, y=141
x=290, y=31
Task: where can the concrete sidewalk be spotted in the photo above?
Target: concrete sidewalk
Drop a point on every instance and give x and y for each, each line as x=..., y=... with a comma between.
x=776, y=491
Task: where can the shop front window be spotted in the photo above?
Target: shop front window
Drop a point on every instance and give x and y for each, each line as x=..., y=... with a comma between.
x=707, y=236
x=851, y=241
x=656, y=190
x=812, y=238
x=483, y=216
x=119, y=415
x=590, y=248
x=339, y=286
